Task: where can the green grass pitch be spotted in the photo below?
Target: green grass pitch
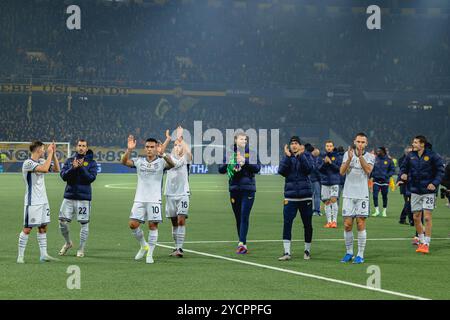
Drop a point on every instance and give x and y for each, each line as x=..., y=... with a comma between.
x=109, y=271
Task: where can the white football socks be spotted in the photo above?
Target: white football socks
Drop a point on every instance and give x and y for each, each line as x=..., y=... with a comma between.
x=139, y=235
x=64, y=227
x=175, y=235
x=180, y=236
x=287, y=246
x=84, y=233
x=23, y=239
x=422, y=238
x=348, y=236
x=42, y=240
x=308, y=246
x=152, y=239
x=362, y=238
x=328, y=212
x=334, y=211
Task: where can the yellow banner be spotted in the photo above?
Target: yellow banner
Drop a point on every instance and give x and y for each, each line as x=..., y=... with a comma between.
x=101, y=90
x=63, y=89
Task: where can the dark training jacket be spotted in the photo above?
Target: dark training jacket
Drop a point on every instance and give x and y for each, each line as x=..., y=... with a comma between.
x=296, y=171
x=329, y=173
x=243, y=180
x=423, y=170
x=383, y=169
x=79, y=180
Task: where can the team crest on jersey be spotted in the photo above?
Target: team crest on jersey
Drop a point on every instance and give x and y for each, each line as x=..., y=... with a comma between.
x=385, y=162
x=85, y=163
x=426, y=158
x=232, y=200
x=333, y=158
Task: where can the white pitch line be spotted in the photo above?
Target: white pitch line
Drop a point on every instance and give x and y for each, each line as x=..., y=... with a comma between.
x=318, y=240
x=308, y=275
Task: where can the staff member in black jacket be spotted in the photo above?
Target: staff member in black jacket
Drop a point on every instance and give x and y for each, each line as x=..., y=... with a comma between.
x=241, y=180
x=296, y=167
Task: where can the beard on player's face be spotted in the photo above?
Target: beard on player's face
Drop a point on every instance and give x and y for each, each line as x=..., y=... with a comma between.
x=177, y=150
x=417, y=146
x=150, y=150
x=360, y=144
x=41, y=152
x=81, y=150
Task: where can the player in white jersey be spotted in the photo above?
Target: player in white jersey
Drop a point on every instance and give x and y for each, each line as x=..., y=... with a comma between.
x=36, y=208
x=147, y=201
x=177, y=192
x=357, y=165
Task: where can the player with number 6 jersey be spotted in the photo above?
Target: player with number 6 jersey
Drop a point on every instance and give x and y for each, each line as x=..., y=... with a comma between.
x=357, y=164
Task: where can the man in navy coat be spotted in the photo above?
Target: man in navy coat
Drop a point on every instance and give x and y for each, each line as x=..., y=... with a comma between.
x=78, y=172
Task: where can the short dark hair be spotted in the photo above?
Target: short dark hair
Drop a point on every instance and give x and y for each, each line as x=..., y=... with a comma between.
x=35, y=144
x=83, y=140
x=361, y=134
x=383, y=149
x=421, y=139
x=329, y=141
x=309, y=147
x=151, y=140
x=295, y=139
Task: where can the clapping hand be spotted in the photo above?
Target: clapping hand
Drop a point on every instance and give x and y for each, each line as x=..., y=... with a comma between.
x=240, y=159
x=286, y=150
x=168, y=137
x=179, y=133
x=359, y=151
x=350, y=153
x=51, y=148
x=77, y=163
x=131, y=143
